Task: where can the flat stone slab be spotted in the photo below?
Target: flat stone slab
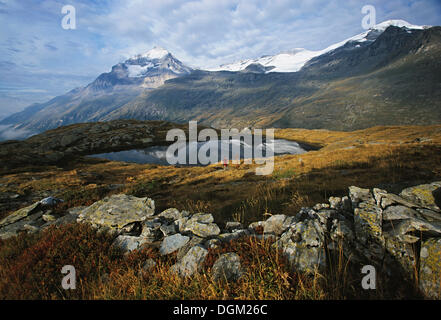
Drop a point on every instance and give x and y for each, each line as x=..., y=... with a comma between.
x=117, y=211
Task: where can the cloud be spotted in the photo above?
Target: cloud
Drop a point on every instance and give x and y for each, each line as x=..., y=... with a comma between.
x=36, y=51
x=206, y=33
x=51, y=47
x=9, y=133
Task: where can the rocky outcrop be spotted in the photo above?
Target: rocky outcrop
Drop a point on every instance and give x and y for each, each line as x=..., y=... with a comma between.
x=68, y=142
x=400, y=235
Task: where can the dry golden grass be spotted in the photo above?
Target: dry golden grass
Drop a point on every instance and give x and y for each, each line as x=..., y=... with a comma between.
x=389, y=157
x=30, y=269
x=371, y=157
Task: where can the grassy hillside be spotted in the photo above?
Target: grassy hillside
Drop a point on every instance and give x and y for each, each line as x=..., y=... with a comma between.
x=386, y=157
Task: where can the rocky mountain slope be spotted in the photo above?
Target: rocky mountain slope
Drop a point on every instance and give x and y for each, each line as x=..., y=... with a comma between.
x=75, y=140
x=108, y=92
x=389, y=75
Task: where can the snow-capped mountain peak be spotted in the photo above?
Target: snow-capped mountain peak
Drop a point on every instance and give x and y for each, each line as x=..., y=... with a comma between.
x=153, y=61
x=155, y=53
x=293, y=60
x=397, y=23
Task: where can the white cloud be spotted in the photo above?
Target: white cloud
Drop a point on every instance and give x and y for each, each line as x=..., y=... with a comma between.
x=201, y=33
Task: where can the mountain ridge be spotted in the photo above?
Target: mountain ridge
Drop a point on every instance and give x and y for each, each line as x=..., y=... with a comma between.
x=157, y=86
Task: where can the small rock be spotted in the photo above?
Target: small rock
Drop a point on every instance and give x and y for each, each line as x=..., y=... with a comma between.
x=203, y=217
x=226, y=237
x=277, y=224
x=128, y=243
x=148, y=265
x=191, y=262
x=173, y=214
x=233, y=225
x=168, y=229
x=358, y=195
x=202, y=226
x=213, y=243
x=194, y=241
x=48, y=217
x=172, y=243
x=227, y=267
x=50, y=201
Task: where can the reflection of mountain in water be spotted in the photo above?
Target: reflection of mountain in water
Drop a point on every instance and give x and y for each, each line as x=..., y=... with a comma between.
x=237, y=149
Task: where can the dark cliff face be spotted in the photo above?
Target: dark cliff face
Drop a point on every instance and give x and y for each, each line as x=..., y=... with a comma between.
x=355, y=58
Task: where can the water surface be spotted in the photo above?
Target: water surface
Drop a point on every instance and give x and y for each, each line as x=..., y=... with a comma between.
x=157, y=154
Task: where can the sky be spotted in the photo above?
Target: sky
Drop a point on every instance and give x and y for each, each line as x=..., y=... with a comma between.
x=39, y=59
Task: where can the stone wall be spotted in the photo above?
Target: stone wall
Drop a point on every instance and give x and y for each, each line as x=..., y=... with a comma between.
x=400, y=235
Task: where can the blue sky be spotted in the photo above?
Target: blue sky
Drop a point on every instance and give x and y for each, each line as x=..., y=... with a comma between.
x=39, y=59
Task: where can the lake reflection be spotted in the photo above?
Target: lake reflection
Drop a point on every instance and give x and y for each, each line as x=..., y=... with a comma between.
x=157, y=154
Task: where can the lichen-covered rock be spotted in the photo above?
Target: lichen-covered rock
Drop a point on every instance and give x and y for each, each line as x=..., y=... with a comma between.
x=202, y=226
x=385, y=199
x=168, y=229
x=226, y=237
x=172, y=243
x=430, y=268
x=203, y=217
x=151, y=230
x=425, y=195
x=173, y=214
x=27, y=219
x=367, y=221
x=399, y=213
x=358, y=195
x=277, y=224
x=227, y=267
x=191, y=262
x=303, y=244
x=47, y=217
x=117, y=211
x=429, y=215
x=403, y=253
x=194, y=241
x=326, y=215
x=128, y=243
x=340, y=204
x=20, y=214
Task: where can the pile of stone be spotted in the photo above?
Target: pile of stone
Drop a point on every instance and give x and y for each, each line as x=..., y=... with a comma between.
x=397, y=234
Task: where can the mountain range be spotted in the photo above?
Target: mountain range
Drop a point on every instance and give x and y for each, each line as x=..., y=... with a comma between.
x=388, y=75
